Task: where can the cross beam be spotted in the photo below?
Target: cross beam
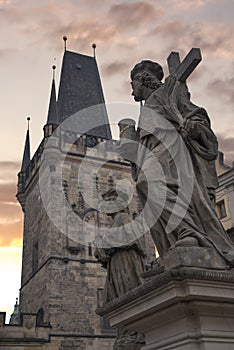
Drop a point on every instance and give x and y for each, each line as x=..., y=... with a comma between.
x=182, y=70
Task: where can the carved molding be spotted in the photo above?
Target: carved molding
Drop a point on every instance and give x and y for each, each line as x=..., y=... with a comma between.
x=164, y=278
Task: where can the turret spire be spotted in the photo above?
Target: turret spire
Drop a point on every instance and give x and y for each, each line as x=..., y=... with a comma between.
x=26, y=156
x=52, y=117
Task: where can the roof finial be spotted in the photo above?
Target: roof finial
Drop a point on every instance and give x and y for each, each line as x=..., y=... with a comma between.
x=28, y=119
x=65, y=42
x=94, y=50
x=54, y=67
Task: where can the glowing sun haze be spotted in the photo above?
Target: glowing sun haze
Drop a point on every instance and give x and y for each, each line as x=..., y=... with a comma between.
x=125, y=32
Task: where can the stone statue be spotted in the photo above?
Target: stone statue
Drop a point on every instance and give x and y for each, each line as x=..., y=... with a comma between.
x=119, y=251
x=175, y=133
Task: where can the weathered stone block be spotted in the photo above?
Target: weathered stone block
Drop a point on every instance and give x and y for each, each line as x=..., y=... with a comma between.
x=194, y=257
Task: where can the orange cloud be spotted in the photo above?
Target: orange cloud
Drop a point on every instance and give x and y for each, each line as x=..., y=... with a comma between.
x=10, y=211
x=82, y=34
x=8, y=171
x=10, y=216
x=11, y=234
x=8, y=192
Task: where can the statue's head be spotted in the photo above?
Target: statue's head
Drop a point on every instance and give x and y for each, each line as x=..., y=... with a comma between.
x=145, y=76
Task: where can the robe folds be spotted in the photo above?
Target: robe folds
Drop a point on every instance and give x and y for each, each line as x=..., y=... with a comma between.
x=121, y=252
x=175, y=171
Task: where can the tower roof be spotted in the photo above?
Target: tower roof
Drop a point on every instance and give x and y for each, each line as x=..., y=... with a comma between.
x=26, y=156
x=52, y=117
x=80, y=88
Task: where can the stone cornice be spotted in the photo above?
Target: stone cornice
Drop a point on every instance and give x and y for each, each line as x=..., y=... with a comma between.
x=161, y=280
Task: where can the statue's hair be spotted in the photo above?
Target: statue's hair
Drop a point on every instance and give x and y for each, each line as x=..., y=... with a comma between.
x=148, y=66
x=149, y=80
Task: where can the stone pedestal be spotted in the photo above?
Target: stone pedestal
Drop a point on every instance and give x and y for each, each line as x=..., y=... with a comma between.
x=185, y=309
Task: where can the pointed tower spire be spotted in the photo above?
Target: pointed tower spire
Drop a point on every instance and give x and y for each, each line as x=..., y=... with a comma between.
x=52, y=117
x=81, y=88
x=26, y=156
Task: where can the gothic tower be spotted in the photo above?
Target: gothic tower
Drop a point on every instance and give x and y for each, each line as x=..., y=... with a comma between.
x=61, y=279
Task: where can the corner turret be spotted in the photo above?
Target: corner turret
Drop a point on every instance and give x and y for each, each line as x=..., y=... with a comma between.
x=52, y=117
x=24, y=167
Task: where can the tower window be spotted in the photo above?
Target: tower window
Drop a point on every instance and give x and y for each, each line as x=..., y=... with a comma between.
x=90, y=249
x=221, y=209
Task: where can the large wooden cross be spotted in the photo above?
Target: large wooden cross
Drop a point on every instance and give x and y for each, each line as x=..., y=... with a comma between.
x=182, y=70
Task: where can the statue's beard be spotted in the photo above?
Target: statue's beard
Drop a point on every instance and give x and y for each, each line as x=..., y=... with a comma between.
x=138, y=99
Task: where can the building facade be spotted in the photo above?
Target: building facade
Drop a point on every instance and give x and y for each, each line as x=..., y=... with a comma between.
x=225, y=195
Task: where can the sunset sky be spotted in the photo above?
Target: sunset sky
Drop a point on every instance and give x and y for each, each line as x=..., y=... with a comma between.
x=125, y=33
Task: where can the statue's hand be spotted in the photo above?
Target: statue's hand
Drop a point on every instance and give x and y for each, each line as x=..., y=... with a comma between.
x=128, y=151
x=190, y=128
x=193, y=130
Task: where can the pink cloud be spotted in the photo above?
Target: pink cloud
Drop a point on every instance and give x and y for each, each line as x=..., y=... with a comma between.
x=134, y=14
x=8, y=192
x=223, y=88
x=213, y=38
x=115, y=67
x=8, y=172
x=11, y=14
x=188, y=4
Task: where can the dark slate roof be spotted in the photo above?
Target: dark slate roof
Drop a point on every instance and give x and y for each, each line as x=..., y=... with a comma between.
x=52, y=117
x=26, y=156
x=80, y=88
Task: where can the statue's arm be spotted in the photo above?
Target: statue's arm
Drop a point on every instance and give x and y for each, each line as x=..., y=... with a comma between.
x=198, y=133
x=101, y=253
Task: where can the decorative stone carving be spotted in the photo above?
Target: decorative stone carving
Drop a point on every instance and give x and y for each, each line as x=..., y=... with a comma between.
x=121, y=254
x=124, y=262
